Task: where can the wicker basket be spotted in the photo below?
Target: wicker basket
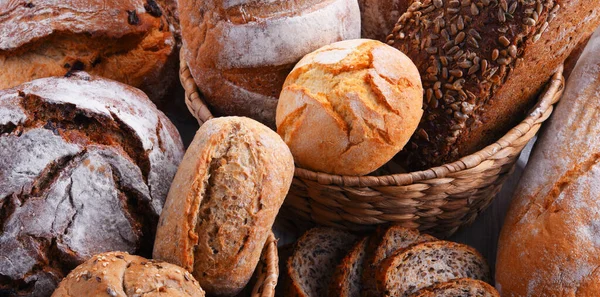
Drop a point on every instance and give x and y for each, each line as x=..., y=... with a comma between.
x=438, y=200
x=267, y=271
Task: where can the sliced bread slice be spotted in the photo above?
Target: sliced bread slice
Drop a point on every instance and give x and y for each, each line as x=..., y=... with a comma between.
x=316, y=255
x=462, y=287
x=385, y=241
x=426, y=264
x=346, y=280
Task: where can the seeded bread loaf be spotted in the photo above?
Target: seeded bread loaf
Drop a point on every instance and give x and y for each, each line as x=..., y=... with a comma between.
x=426, y=264
x=462, y=287
x=549, y=242
x=240, y=52
x=483, y=63
x=346, y=280
x=125, y=40
x=378, y=17
x=316, y=255
x=223, y=202
x=85, y=166
x=386, y=241
x=120, y=274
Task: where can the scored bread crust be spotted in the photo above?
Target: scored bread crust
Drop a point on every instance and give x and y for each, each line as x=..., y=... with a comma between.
x=481, y=66
x=396, y=266
x=378, y=17
x=122, y=274
x=223, y=202
x=128, y=41
x=240, y=52
x=462, y=287
x=346, y=280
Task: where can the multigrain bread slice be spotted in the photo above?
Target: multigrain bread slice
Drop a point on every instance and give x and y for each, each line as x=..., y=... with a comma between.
x=314, y=260
x=462, y=287
x=385, y=241
x=346, y=280
x=426, y=264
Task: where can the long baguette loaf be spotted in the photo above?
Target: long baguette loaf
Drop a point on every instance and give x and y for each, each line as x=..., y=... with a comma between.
x=550, y=243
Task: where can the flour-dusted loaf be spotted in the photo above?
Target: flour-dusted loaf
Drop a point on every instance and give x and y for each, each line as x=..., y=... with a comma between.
x=378, y=17
x=121, y=274
x=349, y=107
x=483, y=63
x=125, y=40
x=240, y=52
x=346, y=280
x=316, y=255
x=462, y=287
x=85, y=167
x=223, y=202
x=426, y=264
x=550, y=244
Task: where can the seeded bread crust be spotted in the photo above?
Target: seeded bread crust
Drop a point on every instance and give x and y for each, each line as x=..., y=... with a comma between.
x=378, y=17
x=462, y=287
x=481, y=64
x=85, y=167
x=125, y=40
x=121, y=274
x=426, y=264
x=346, y=280
x=316, y=255
x=223, y=202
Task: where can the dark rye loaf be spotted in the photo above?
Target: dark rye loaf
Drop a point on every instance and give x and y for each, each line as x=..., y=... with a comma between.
x=85, y=166
x=483, y=62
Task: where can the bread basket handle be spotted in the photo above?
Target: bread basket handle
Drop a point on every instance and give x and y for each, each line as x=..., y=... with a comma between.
x=193, y=99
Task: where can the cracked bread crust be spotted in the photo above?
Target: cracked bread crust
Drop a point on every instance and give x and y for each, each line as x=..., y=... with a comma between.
x=85, y=165
x=349, y=107
x=124, y=275
x=223, y=202
x=128, y=41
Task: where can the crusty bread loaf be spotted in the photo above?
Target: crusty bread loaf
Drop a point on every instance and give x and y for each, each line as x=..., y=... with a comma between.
x=378, y=17
x=349, y=107
x=240, y=52
x=483, y=63
x=386, y=241
x=426, y=264
x=120, y=274
x=223, y=202
x=125, y=40
x=85, y=166
x=346, y=280
x=549, y=242
x=462, y=287
x=316, y=255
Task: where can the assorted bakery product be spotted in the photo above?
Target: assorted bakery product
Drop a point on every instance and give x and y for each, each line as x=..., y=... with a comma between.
x=349, y=107
x=346, y=279
x=483, y=63
x=85, y=167
x=223, y=202
x=121, y=274
x=378, y=17
x=240, y=52
x=462, y=287
x=549, y=242
x=125, y=40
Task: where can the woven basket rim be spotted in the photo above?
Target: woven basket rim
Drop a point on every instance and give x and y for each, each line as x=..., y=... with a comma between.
x=201, y=112
x=267, y=272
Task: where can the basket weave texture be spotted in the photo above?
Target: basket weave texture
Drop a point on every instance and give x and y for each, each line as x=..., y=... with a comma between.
x=438, y=200
x=267, y=271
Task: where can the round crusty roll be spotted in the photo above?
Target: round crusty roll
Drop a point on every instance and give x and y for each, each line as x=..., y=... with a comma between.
x=349, y=107
x=240, y=52
x=223, y=202
x=378, y=17
x=125, y=40
x=121, y=274
x=85, y=167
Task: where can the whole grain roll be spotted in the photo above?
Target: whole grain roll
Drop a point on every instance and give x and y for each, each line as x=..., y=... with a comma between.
x=125, y=40
x=240, y=52
x=85, y=167
x=483, y=63
x=349, y=107
x=378, y=17
x=223, y=202
x=120, y=274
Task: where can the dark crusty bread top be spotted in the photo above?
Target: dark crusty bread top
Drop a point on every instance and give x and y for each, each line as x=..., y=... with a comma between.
x=346, y=280
x=483, y=63
x=24, y=21
x=120, y=274
x=426, y=264
x=314, y=260
x=462, y=287
x=85, y=165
